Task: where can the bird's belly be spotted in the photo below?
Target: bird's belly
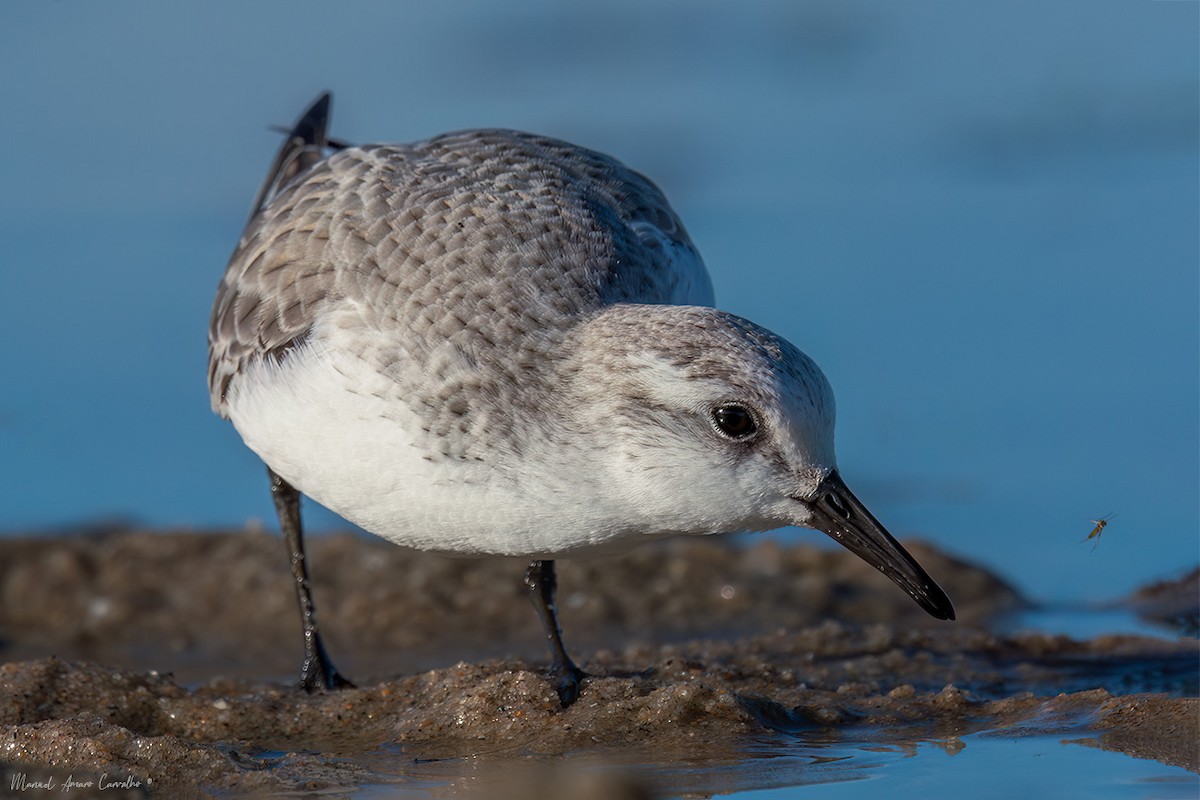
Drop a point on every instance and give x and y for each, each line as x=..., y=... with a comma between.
x=324, y=425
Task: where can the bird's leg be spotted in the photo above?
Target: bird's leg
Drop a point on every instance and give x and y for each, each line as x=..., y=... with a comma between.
x=317, y=672
x=542, y=586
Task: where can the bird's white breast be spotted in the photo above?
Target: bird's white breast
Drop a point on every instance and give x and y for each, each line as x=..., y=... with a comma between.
x=321, y=421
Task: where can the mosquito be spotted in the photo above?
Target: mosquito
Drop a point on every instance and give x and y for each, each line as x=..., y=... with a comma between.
x=1100, y=524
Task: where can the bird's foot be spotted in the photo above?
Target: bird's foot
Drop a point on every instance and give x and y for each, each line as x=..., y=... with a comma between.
x=318, y=674
x=567, y=679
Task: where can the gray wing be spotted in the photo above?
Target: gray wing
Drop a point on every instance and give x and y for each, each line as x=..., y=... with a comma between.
x=471, y=241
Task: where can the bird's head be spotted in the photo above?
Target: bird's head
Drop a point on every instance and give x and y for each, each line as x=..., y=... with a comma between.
x=712, y=424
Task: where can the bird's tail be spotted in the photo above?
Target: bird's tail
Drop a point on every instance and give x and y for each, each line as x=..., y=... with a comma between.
x=304, y=147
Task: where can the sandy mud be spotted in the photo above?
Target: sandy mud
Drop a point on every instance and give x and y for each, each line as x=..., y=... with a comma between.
x=162, y=664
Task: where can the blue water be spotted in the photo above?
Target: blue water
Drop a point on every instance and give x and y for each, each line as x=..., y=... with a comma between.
x=980, y=219
x=979, y=766
x=983, y=767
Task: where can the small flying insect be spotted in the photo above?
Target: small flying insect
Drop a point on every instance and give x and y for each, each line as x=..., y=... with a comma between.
x=1100, y=524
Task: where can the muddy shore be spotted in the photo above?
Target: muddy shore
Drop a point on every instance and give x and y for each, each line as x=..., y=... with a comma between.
x=167, y=658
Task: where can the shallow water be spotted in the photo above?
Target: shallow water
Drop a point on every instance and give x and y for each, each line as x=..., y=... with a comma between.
x=1031, y=766
x=1082, y=621
x=784, y=768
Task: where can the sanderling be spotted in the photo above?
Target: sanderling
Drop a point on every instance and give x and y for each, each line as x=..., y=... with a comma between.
x=492, y=342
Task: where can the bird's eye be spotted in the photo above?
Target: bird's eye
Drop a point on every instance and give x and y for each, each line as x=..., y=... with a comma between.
x=734, y=421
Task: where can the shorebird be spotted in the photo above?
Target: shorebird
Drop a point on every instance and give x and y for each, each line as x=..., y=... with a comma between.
x=492, y=342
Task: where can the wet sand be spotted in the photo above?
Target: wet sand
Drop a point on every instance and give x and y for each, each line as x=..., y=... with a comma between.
x=168, y=658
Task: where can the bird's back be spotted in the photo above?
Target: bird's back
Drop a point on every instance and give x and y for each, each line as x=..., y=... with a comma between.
x=480, y=247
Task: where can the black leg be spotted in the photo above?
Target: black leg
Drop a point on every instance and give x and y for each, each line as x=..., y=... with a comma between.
x=317, y=672
x=542, y=586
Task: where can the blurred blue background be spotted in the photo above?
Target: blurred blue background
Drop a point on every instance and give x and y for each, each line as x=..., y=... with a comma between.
x=980, y=219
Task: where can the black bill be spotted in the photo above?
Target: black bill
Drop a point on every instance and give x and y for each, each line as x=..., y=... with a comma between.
x=837, y=512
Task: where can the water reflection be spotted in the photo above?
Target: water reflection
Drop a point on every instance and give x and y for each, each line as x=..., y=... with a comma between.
x=981, y=765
